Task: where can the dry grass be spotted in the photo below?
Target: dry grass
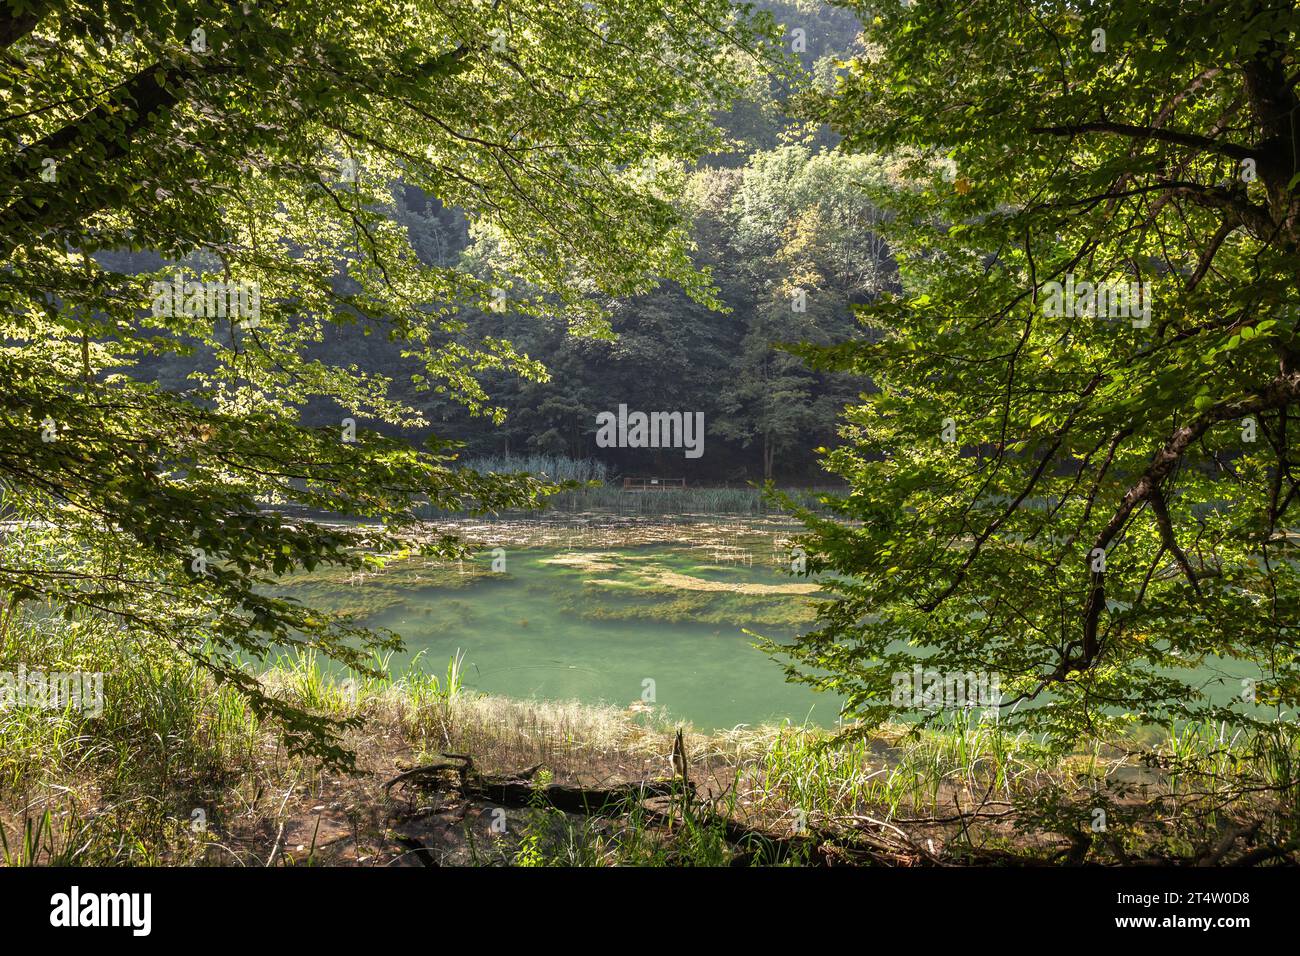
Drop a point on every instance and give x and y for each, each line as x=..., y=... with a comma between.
x=108, y=805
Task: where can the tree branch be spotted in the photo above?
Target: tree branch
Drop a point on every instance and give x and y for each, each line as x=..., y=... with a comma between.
x=1234, y=150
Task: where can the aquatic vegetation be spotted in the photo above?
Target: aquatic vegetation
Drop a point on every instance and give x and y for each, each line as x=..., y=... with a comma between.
x=591, y=561
x=744, y=540
x=719, y=577
x=648, y=588
x=610, y=500
x=360, y=596
x=633, y=603
x=672, y=579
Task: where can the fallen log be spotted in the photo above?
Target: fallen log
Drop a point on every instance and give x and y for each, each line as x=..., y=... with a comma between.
x=421, y=852
x=519, y=790
x=430, y=771
x=571, y=799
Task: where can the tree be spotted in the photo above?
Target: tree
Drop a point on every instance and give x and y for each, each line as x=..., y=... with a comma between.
x=792, y=220
x=802, y=236
x=1076, y=469
x=256, y=147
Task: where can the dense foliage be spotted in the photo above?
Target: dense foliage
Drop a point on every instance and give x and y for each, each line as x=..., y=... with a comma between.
x=788, y=239
x=254, y=146
x=772, y=212
x=1093, y=499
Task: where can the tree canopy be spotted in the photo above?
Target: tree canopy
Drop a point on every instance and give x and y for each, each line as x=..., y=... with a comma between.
x=1075, y=467
x=255, y=147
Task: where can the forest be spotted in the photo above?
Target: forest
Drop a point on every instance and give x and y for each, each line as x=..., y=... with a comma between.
x=495, y=434
x=776, y=219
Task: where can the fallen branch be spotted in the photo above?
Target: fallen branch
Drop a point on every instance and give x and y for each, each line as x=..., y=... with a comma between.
x=519, y=790
x=890, y=845
x=571, y=799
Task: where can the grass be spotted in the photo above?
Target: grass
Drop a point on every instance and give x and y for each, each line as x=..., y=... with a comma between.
x=546, y=467
x=679, y=501
x=172, y=751
x=607, y=494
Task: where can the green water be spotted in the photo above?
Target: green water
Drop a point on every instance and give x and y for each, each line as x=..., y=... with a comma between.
x=598, y=633
x=629, y=614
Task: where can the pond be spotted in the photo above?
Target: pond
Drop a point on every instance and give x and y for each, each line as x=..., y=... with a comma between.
x=634, y=614
x=640, y=613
